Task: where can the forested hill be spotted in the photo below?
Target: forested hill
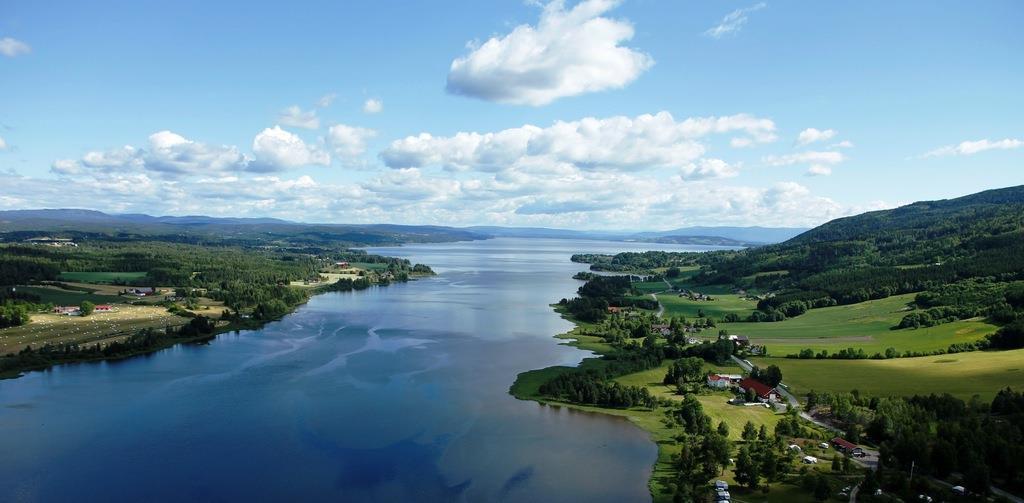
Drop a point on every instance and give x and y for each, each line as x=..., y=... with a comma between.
x=19, y=225
x=918, y=247
x=986, y=213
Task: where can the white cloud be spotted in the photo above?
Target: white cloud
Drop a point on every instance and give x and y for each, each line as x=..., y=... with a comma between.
x=168, y=153
x=811, y=135
x=569, y=52
x=65, y=167
x=708, y=168
x=815, y=157
x=819, y=170
x=126, y=157
x=3, y=143
x=733, y=22
x=326, y=100
x=974, y=147
x=173, y=154
x=842, y=144
x=276, y=149
x=297, y=117
x=348, y=141
x=373, y=106
x=12, y=47
x=614, y=143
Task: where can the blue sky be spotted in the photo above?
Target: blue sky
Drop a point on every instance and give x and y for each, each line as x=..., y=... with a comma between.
x=596, y=114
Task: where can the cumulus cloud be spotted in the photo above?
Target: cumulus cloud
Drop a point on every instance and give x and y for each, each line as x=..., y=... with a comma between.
x=65, y=167
x=812, y=135
x=569, y=52
x=167, y=153
x=733, y=22
x=373, y=106
x=11, y=47
x=276, y=148
x=348, y=141
x=3, y=143
x=614, y=143
x=297, y=117
x=708, y=168
x=974, y=147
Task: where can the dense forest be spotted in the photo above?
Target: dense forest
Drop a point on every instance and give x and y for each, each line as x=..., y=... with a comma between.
x=938, y=434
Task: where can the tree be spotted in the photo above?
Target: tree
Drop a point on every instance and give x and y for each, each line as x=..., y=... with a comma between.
x=749, y=432
x=86, y=308
x=747, y=471
x=723, y=429
x=822, y=491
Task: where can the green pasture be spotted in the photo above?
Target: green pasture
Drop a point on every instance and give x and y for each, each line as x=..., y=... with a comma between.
x=867, y=325
x=58, y=296
x=962, y=374
x=716, y=309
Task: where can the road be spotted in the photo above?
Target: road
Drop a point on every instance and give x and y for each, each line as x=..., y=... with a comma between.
x=792, y=400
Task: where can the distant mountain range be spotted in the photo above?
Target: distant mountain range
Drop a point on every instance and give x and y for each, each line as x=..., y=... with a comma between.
x=721, y=236
x=18, y=224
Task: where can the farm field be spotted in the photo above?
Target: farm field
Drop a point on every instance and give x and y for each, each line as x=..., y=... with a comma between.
x=60, y=296
x=866, y=325
x=332, y=277
x=54, y=328
x=962, y=374
x=722, y=305
x=101, y=277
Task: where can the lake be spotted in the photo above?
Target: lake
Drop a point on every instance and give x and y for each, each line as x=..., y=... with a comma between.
x=397, y=393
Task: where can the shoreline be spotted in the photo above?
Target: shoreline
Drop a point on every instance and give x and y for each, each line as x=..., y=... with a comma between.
x=165, y=343
x=526, y=384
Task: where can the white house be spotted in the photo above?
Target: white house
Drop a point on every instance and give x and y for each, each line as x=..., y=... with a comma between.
x=810, y=460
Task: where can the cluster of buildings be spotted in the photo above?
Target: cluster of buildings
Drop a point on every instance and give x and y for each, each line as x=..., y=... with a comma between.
x=763, y=392
x=49, y=241
x=77, y=310
x=144, y=291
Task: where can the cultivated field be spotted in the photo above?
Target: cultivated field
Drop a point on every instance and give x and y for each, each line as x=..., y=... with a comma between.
x=61, y=297
x=962, y=374
x=106, y=327
x=867, y=325
x=101, y=277
x=332, y=277
x=722, y=305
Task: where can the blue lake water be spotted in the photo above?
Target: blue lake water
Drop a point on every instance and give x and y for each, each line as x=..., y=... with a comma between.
x=391, y=394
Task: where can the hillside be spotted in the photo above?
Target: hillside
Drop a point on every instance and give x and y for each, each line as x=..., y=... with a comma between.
x=964, y=257
x=18, y=225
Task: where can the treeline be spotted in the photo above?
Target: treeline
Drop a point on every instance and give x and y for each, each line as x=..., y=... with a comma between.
x=920, y=247
x=939, y=434
x=635, y=261
x=599, y=293
x=140, y=342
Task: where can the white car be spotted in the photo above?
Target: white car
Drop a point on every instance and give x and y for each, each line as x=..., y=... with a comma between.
x=823, y=445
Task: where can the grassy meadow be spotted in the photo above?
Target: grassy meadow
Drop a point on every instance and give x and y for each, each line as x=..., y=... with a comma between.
x=867, y=325
x=53, y=328
x=722, y=305
x=962, y=375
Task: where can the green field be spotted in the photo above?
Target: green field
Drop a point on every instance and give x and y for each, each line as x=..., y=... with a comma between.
x=58, y=296
x=101, y=277
x=650, y=286
x=722, y=305
x=962, y=374
x=867, y=325
x=369, y=266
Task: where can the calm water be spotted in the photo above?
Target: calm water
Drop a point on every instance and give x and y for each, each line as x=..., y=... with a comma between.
x=396, y=393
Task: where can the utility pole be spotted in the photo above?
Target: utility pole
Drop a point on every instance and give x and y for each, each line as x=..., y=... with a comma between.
x=912, y=472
